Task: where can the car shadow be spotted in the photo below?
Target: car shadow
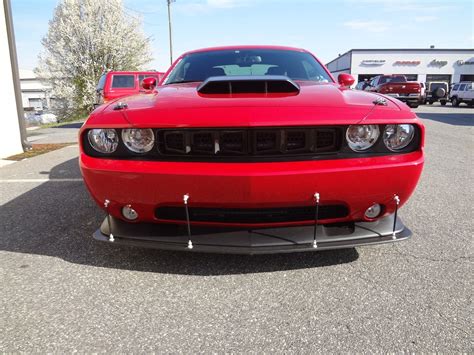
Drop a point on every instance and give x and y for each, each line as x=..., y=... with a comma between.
x=452, y=118
x=58, y=218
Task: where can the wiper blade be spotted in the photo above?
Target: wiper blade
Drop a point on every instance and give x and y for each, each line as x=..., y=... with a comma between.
x=183, y=82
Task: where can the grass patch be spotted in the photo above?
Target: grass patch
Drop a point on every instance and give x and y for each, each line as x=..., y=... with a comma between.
x=62, y=123
x=38, y=149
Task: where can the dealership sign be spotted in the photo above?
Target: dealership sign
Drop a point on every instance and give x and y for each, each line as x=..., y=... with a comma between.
x=467, y=62
x=438, y=63
x=407, y=62
x=373, y=62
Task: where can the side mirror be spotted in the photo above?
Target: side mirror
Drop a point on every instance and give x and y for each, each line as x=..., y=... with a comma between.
x=345, y=79
x=149, y=83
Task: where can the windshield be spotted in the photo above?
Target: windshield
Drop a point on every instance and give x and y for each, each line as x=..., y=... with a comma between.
x=249, y=62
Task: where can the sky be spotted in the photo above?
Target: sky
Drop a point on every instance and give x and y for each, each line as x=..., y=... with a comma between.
x=325, y=27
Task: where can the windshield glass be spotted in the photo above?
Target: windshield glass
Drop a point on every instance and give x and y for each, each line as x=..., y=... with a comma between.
x=249, y=62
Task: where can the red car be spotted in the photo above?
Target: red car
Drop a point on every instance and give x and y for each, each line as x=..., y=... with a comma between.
x=115, y=84
x=251, y=149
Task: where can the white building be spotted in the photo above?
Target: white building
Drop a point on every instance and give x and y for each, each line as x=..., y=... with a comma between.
x=422, y=65
x=34, y=93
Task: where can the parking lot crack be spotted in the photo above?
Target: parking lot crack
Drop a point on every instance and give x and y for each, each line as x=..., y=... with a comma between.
x=445, y=318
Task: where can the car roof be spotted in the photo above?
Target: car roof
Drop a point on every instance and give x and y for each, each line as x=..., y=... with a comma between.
x=223, y=48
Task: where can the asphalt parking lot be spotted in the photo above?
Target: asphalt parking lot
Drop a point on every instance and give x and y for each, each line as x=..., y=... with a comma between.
x=63, y=292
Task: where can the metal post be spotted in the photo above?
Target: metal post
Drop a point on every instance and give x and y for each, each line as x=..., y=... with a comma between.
x=316, y=217
x=15, y=73
x=111, y=235
x=397, y=203
x=185, y=200
x=170, y=31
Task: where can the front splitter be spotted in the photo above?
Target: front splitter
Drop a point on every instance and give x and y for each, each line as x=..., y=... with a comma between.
x=254, y=241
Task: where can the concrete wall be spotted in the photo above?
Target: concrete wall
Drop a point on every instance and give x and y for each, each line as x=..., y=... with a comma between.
x=10, y=142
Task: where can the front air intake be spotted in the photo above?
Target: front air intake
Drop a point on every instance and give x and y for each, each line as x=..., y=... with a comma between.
x=265, y=84
x=251, y=215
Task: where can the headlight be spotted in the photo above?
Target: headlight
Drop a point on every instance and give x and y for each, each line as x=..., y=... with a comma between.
x=138, y=140
x=397, y=137
x=362, y=137
x=103, y=140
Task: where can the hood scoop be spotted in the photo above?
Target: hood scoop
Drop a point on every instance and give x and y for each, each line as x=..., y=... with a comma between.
x=265, y=84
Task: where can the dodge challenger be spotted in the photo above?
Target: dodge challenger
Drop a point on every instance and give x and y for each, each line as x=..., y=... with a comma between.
x=251, y=149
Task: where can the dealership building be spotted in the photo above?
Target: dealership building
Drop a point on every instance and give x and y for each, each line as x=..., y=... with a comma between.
x=422, y=65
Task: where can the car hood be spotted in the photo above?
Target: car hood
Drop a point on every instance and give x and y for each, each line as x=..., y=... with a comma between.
x=180, y=105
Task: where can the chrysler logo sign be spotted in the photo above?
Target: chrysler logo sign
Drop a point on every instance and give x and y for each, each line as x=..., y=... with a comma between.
x=373, y=62
x=467, y=62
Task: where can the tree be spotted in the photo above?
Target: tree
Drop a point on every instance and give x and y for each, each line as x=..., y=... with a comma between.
x=85, y=38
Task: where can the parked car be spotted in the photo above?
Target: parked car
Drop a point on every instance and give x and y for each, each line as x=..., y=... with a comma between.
x=462, y=92
x=437, y=91
x=251, y=149
x=361, y=85
x=116, y=84
x=40, y=117
x=398, y=87
x=423, y=93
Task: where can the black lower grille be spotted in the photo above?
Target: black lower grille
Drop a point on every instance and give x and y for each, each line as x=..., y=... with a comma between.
x=254, y=215
x=249, y=143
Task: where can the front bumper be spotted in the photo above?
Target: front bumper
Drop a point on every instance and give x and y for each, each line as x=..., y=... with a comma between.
x=355, y=183
x=406, y=98
x=253, y=241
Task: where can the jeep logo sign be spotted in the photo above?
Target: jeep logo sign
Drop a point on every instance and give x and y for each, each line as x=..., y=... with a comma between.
x=438, y=63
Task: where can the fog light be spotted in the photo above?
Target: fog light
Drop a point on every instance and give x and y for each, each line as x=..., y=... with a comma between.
x=373, y=211
x=129, y=213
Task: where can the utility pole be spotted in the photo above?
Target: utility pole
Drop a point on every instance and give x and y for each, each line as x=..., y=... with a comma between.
x=171, y=34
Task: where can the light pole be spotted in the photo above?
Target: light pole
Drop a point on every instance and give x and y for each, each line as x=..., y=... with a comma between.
x=171, y=34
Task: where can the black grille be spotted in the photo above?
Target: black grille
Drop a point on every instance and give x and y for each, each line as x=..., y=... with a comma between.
x=260, y=215
x=233, y=142
x=202, y=143
x=267, y=141
x=175, y=142
x=295, y=140
x=325, y=140
x=272, y=142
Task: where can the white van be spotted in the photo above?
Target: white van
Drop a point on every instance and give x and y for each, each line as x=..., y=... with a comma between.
x=462, y=92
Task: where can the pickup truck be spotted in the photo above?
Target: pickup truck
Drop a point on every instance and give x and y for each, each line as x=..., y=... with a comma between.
x=116, y=84
x=398, y=87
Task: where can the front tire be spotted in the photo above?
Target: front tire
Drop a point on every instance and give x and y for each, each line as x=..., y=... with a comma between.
x=455, y=101
x=443, y=103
